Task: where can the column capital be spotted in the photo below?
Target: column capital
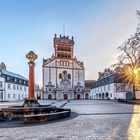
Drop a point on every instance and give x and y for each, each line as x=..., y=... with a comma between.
x=31, y=63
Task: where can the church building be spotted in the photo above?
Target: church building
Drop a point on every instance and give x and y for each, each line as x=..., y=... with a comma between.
x=63, y=75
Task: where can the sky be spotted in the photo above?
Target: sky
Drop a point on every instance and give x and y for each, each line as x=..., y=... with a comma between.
x=98, y=27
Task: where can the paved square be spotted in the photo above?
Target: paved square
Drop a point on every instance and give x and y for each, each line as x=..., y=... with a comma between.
x=90, y=120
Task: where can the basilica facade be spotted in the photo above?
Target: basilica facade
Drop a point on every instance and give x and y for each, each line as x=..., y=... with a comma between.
x=63, y=74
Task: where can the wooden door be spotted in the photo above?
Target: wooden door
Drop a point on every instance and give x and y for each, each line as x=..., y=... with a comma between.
x=49, y=96
x=65, y=97
x=78, y=97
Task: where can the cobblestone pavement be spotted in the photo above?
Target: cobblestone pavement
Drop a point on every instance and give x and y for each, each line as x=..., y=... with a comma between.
x=90, y=120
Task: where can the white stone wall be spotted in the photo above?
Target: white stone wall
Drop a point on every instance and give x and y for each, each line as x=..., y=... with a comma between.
x=120, y=95
x=52, y=69
x=79, y=77
x=55, y=67
x=12, y=94
x=106, y=89
x=137, y=94
x=111, y=90
x=2, y=88
x=46, y=75
x=53, y=75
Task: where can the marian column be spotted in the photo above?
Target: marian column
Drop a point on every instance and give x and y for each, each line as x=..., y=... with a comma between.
x=31, y=56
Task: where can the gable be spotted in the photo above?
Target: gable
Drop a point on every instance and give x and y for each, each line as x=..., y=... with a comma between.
x=78, y=65
x=50, y=63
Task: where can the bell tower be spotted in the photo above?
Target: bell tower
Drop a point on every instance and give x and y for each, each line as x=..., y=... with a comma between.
x=63, y=47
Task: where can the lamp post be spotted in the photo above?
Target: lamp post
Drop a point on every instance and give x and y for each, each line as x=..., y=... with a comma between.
x=31, y=56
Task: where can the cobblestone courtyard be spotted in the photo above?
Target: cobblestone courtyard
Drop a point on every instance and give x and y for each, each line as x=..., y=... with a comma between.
x=90, y=120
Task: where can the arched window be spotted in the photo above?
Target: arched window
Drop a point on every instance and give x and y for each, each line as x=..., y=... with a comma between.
x=67, y=63
x=60, y=75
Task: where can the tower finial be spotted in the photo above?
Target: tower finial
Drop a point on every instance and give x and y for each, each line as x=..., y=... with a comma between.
x=138, y=17
x=63, y=30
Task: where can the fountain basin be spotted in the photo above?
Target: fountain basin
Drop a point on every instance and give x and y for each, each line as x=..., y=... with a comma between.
x=31, y=111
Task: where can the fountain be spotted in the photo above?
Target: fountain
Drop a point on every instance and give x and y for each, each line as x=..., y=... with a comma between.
x=31, y=110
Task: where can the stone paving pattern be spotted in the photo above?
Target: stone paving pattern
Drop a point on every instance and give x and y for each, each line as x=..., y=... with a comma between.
x=91, y=120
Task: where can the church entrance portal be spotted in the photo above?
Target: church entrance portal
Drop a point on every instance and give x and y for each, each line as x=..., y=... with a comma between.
x=49, y=96
x=65, y=97
x=86, y=96
x=78, y=97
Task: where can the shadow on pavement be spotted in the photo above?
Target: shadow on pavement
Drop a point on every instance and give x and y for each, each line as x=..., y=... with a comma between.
x=110, y=113
x=17, y=123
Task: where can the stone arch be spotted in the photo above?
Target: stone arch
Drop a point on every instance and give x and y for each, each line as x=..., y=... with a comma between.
x=38, y=96
x=78, y=97
x=86, y=96
x=103, y=96
x=49, y=97
x=65, y=97
x=96, y=96
x=100, y=96
x=106, y=95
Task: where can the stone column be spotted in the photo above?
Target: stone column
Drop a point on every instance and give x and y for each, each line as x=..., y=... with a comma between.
x=31, y=56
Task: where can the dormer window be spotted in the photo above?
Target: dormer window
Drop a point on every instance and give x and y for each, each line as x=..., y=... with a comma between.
x=9, y=86
x=8, y=77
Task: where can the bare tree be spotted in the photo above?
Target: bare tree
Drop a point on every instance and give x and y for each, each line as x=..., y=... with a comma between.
x=129, y=59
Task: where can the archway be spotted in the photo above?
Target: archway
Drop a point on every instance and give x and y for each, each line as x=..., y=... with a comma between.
x=49, y=96
x=38, y=96
x=103, y=96
x=107, y=95
x=78, y=97
x=96, y=96
x=99, y=95
x=65, y=97
x=86, y=96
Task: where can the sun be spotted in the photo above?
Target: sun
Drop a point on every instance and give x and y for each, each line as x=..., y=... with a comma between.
x=135, y=71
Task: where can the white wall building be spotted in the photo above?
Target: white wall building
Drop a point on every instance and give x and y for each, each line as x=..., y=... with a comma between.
x=12, y=86
x=2, y=88
x=38, y=91
x=111, y=88
x=63, y=74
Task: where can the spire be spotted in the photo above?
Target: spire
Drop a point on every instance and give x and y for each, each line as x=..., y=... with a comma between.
x=63, y=30
x=138, y=17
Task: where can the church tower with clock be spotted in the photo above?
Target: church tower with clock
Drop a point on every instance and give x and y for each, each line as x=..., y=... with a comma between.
x=63, y=75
